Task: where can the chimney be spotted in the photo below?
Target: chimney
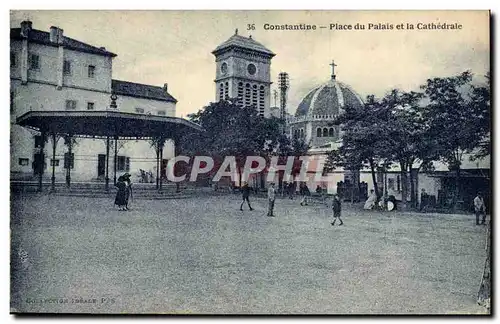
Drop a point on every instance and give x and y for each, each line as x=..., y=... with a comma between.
x=165, y=87
x=26, y=27
x=53, y=34
x=60, y=36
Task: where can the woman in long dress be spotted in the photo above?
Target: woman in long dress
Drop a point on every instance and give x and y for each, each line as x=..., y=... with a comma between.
x=128, y=188
x=371, y=201
x=121, y=194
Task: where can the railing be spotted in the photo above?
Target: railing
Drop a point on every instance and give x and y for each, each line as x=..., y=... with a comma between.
x=293, y=120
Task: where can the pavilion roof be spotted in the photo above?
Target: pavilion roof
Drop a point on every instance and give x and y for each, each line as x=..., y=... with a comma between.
x=107, y=123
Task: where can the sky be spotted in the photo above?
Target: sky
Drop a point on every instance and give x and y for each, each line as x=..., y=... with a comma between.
x=174, y=47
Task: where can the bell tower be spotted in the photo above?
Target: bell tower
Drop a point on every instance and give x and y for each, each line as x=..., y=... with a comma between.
x=243, y=71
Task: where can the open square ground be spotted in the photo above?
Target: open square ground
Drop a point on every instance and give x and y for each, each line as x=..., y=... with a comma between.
x=204, y=256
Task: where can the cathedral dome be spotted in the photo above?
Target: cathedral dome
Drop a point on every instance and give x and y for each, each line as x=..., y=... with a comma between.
x=328, y=99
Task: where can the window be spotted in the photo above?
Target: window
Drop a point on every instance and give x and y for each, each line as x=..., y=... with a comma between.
x=90, y=106
x=122, y=164
x=24, y=162
x=67, y=161
x=330, y=132
x=38, y=141
x=240, y=93
x=34, y=62
x=223, y=68
x=221, y=91
x=398, y=181
x=254, y=96
x=67, y=67
x=162, y=113
x=325, y=132
x=139, y=110
x=318, y=132
x=248, y=94
x=91, y=71
x=12, y=59
x=251, y=69
x=70, y=104
x=54, y=162
x=261, y=100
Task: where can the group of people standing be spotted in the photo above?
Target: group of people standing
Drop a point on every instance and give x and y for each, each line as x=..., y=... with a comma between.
x=304, y=191
x=124, y=192
x=271, y=195
x=289, y=189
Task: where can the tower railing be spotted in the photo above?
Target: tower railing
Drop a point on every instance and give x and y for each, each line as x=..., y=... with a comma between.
x=293, y=119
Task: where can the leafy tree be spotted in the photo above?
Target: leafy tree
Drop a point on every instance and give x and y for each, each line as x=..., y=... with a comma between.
x=413, y=129
x=391, y=129
x=295, y=146
x=481, y=104
x=362, y=140
x=407, y=139
x=458, y=123
x=233, y=130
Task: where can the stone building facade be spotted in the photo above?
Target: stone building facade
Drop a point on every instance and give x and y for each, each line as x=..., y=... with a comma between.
x=53, y=72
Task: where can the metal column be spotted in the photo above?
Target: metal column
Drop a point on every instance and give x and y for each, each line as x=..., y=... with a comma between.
x=107, y=163
x=70, y=160
x=41, y=161
x=116, y=158
x=54, y=144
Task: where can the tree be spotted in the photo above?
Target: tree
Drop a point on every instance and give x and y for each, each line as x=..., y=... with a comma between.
x=295, y=146
x=233, y=130
x=362, y=140
x=407, y=137
x=456, y=125
x=389, y=129
x=481, y=103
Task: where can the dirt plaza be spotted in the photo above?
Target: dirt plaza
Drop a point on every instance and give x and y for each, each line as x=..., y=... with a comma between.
x=201, y=255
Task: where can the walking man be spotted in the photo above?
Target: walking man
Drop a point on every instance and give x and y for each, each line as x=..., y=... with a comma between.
x=291, y=189
x=245, y=191
x=271, y=196
x=424, y=201
x=337, y=208
x=479, y=208
x=304, y=191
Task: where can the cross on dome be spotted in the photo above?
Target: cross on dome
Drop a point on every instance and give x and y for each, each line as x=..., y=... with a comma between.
x=333, y=65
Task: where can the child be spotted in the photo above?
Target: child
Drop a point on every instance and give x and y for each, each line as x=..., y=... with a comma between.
x=337, y=208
